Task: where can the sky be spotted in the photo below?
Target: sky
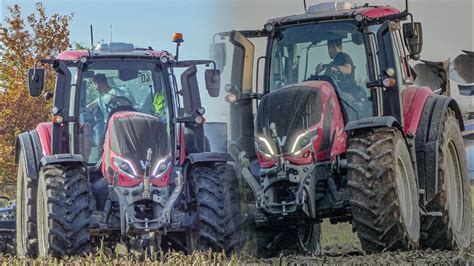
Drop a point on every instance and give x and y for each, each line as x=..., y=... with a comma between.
x=447, y=24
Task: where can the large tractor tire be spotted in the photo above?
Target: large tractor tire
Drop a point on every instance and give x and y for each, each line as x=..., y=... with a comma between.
x=453, y=194
x=218, y=209
x=63, y=211
x=26, y=235
x=384, y=193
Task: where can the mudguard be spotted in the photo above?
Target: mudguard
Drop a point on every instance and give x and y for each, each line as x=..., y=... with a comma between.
x=209, y=157
x=426, y=140
x=372, y=122
x=29, y=143
x=63, y=159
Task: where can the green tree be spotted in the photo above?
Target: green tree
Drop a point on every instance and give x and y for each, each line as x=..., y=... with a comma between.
x=22, y=43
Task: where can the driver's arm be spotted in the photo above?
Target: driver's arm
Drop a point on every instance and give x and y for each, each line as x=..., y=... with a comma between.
x=346, y=68
x=92, y=105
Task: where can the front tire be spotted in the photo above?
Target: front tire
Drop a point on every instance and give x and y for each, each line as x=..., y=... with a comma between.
x=26, y=235
x=63, y=211
x=217, y=207
x=453, y=194
x=384, y=193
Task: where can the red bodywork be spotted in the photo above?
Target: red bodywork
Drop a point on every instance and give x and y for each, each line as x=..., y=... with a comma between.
x=377, y=12
x=371, y=12
x=108, y=154
x=337, y=133
x=44, y=134
x=414, y=100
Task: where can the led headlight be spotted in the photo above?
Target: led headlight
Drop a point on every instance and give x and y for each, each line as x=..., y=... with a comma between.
x=161, y=167
x=125, y=167
x=264, y=146
x=303, y=141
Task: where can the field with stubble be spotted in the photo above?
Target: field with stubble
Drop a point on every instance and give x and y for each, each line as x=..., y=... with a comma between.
x=340, y=246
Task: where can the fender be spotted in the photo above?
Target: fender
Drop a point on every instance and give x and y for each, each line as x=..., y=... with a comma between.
x=373, y=122
x=29, y=143
x=414, y=100
x=426, y=140
x=63, y=159
x=209, y=157
x=44, y=134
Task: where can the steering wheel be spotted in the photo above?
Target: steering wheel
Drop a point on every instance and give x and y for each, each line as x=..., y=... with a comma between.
x=118, y=103
x=334, y=72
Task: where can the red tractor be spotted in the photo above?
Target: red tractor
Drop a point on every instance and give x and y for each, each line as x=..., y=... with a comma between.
x=342, y=131
x=126, y=158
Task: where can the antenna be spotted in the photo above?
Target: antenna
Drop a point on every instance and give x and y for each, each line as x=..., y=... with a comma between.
x=406, y=5
x=92, y=38
x=304, y=4
x=110, y=33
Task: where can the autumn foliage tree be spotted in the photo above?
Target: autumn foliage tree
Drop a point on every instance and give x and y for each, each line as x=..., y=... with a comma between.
x=22, y=42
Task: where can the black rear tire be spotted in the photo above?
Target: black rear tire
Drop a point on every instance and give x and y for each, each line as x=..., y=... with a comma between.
x=63, y=211
x=453, y=196
x=218, y=209
x=26, y=235
x=384, y=192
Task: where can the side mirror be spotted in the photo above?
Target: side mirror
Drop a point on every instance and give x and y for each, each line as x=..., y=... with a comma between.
x=36, y=81
x=217, y=53
x=213, y=82
x=413, y=36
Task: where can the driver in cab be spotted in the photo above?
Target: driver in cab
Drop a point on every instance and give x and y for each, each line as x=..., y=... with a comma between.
x=342, y=67
x=106, y=93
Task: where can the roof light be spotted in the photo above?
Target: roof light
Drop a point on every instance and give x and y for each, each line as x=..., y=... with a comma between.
x=164, y=59
x=177, y=37
x=359, y=17
x=269, y=27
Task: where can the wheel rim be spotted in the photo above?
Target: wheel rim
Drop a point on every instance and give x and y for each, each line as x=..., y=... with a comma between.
x=454, y=188
x=405, y=196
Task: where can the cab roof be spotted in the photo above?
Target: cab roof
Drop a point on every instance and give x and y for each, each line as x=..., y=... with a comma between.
x=114, y=49
x=334, y=10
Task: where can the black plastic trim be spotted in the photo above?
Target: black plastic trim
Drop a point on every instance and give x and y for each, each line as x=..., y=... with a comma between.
x=209, y=157
x=373, y=122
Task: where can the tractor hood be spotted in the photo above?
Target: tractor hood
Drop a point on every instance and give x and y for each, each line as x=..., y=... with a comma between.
x=290, y=111
x=129, y=137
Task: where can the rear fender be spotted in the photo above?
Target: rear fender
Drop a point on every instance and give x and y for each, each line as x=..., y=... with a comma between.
x=29, y=143
x=426, y=140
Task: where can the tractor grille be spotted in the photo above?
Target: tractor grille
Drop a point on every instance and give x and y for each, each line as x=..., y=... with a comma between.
x=293, y=109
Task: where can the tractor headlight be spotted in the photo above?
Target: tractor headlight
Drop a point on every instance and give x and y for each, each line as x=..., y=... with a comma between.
x=125, y=167
x=161, y=167
x=264, y=146
x=303, y=141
